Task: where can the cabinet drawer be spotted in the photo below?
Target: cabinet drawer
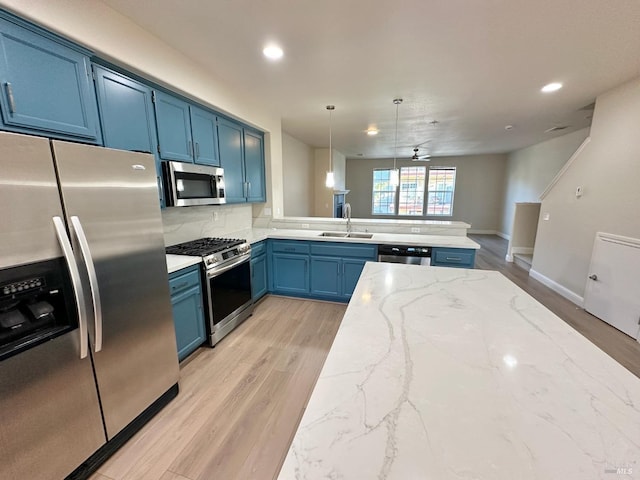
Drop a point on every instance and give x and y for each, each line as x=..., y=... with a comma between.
x=183, y=280
x=453, y=257
x=258, y=249
x=343, y=250
x=290, y=247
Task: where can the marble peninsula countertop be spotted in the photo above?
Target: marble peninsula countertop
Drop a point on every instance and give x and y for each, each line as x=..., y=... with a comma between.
x=443, y=373
x=254, y=235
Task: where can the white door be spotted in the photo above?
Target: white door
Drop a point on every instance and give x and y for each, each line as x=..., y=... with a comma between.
x=613, y=287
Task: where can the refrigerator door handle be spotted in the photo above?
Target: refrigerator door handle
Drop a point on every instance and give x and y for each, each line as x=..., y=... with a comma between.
x=93, y=281
x=70, y=259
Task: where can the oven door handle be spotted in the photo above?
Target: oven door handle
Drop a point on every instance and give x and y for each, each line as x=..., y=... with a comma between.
x=241, y=259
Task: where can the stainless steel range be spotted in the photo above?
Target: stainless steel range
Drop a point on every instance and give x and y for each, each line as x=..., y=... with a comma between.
x=227, y=276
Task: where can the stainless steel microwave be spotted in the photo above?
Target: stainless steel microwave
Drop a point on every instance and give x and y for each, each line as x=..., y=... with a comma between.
x=186, y=184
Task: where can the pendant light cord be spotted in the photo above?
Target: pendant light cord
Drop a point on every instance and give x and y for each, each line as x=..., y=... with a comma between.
x=395, y=144
x=331, y=108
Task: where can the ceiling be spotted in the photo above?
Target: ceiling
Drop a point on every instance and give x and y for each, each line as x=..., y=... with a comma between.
x=473, y=66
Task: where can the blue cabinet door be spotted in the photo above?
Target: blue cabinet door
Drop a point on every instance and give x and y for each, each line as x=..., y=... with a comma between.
x=174, y=128
x=205, y=137
x=231, y=149
x=126, y=115
x=254, y=166
x=258, y=276
x=188, y=318
x=325, y=276
x=290, y=273
x=46, y=86
x=351, y=270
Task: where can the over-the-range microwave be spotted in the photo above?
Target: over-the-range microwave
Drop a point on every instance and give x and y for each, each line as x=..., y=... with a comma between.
x=186, y=184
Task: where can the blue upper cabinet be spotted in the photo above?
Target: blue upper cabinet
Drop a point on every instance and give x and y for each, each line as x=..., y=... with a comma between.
x=205, y=137
x=232, y=160
x=242, y=157
x=174, y=128
x=186, y=133
x=126, y=115
x=254, y=166
x=46, y=85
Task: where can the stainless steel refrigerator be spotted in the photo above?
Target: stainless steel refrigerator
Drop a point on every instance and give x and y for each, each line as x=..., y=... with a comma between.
x=87, y=343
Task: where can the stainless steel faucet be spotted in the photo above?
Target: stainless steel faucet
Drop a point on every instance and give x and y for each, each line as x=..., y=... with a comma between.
x=346, y=213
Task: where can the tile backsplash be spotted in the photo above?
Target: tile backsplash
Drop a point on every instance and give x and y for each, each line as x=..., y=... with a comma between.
x=182, y=224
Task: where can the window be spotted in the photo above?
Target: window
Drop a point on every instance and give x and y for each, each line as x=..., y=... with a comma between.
x=411, y=199
x=442, y=181
x=384, y=195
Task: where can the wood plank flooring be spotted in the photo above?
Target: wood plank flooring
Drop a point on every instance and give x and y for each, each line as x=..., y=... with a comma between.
x=618, y=345
x=239, y=403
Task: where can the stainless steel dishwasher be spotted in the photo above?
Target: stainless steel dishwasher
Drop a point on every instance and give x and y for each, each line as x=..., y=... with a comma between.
x=404, y=254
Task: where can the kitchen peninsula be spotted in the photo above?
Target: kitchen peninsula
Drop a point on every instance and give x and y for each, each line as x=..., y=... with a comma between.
x=452, y=373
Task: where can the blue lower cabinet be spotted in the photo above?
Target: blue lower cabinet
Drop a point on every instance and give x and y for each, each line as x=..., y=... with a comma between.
x=453, y=257
x=258, y=276
x=326, y=275
x=188, y=314
x=351, y=270
x=290, y=273
x=323, y=270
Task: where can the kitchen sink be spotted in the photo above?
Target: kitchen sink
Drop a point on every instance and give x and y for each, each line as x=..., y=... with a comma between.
x=346, y=235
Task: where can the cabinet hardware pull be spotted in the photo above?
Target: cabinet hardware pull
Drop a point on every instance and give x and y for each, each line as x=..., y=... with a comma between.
x=180, y=285
x=190, y=147
x=10, y=97
x=197, y=149
x=457, y=259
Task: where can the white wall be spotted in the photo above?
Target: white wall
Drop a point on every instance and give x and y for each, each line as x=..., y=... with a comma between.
x=116, y=38
x=531, y=169
x=298, y=163
x=608, y=169
x=478, y=193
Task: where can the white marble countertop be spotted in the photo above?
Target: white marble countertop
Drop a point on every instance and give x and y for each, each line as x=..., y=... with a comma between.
x=443, y=373
x=254, y=235
x=178, y=262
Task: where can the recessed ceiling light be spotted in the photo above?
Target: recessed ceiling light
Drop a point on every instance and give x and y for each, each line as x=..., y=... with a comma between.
x=372, y=131
x=551, y=87
x=273, y=52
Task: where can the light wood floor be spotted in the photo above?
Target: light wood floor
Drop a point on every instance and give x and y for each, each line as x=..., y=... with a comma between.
x=239, y=403
x=618, y=345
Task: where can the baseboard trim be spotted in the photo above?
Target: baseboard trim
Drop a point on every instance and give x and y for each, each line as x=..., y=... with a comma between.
x=482, y=232
x=522, y=250
x=503, y=235
x=556, y=287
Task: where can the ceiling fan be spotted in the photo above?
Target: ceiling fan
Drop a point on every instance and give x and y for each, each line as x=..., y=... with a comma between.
x=420, y=158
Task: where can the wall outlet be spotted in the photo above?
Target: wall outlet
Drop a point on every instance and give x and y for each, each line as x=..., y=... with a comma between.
x=304, y=225
x=546, y=216
x=215, y=216
x=415, y=229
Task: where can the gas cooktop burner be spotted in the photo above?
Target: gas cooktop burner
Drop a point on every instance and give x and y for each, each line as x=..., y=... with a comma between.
x=204, y=246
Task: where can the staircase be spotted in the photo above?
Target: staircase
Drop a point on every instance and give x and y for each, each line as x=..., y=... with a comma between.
x=523, y=260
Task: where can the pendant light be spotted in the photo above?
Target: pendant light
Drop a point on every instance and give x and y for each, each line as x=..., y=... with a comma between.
x=394, y=177
x=330, y=181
